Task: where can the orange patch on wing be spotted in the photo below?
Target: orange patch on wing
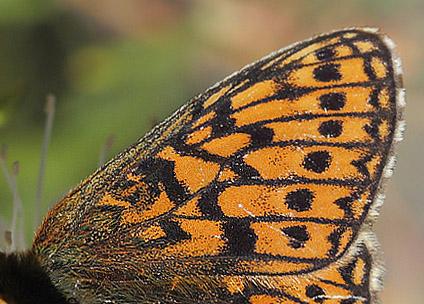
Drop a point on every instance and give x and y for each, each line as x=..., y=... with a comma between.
x=257, y=91
x=384, y=99
x=193, y=172
x=199, y=135
x=350, y=35
x=344, y=240
x=352, y=130
x=161, y=206
x=228, y=145
x=364, y=46
x=190, y=208
x=330, y=273
x=261, y=200
x=204, y=119
x=152, y=233
x=378, y=67
x=207, y=238
x=274, y=239
x=266, y=299
x=288, y=162
x=359, y=271
x=373, y=164
x=107, y=199
x=358, y=205
x=234, y=285
x=356, y=101
x=214, y=98
x=343, y=51
x=384, y=130
x=227, y=175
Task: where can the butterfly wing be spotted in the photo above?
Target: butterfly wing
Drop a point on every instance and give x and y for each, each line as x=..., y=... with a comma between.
x=260, y=190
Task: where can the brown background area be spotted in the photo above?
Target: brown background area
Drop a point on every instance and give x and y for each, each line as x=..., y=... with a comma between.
x=116, y=66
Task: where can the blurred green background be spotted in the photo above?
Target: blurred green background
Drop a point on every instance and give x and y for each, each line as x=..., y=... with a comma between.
x=116, y=67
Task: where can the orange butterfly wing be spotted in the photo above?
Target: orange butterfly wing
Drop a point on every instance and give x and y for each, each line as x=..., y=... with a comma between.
x=261, y=190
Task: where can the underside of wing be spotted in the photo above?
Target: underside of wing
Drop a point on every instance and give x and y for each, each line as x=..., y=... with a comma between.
x=260, y=190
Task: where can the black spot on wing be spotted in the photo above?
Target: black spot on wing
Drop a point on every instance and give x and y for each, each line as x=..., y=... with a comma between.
x=317, y=162
x=331, y=128
x=241, y=238
x=327, y=73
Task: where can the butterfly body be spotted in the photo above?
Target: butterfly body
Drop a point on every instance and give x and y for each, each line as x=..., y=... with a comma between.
x=261, y=190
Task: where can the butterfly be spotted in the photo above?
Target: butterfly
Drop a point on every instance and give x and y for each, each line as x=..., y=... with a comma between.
x=261, y=190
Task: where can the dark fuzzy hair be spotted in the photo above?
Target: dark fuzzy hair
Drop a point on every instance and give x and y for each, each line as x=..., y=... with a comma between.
x=23, y=280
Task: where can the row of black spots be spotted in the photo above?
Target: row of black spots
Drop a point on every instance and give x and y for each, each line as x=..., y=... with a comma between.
x=301, y=200
x=327, y=102
x=262, y=136
x=320, y=161
x=331, y=71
